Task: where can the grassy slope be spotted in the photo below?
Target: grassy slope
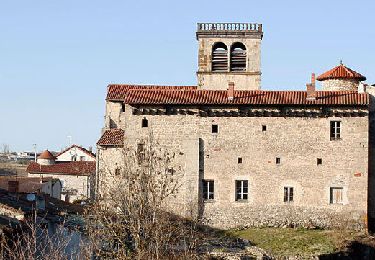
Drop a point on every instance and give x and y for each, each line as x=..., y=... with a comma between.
x=292, y=242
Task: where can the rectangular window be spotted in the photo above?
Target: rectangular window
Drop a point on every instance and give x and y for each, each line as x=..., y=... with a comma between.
x=288, y=194
x=208, y=189
x=242, y=190
x=144, y=122
x=122, y=107
x=141, y=152
x=215, y=129
x=278, y=160
x=335, y=195
x=319, y=161
x=239, y=160
x=264, y=128
x=335, y=130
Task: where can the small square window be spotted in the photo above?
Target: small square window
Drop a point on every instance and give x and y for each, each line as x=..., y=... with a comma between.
x=239, y=159
x=319, y=161
x=278, y=160
x=215, y=129
x=144, y=122
x=264, y=128
x=117, y=171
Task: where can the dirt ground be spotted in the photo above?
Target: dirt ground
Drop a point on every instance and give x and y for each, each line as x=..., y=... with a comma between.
x=12, y=168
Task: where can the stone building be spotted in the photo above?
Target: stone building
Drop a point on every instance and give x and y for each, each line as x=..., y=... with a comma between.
x=249, y=156
x=75, y=176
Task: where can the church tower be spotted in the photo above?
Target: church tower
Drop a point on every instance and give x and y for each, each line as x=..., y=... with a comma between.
x=229, y=52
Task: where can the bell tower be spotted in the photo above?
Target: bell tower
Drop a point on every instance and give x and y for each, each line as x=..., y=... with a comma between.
x=229, y=52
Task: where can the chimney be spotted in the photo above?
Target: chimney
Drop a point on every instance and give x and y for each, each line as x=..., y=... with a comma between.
x=311, y=92
x=361, y=88
x=230, y=90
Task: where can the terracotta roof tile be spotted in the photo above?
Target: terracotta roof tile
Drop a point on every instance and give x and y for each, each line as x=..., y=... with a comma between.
x=80, y=148
x=241, y=97
x=63, y=168
x=341, y=72
x=46, y=155
x=112, y=137
x=118, y=92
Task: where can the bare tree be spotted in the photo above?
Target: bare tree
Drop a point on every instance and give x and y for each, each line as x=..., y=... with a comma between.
x=131, y=220
x=5, y=148
x=31, y=241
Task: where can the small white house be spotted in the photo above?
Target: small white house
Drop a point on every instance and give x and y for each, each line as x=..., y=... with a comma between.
x=76, y=153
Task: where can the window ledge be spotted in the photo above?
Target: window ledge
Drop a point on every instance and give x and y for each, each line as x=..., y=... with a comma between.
x=242, y=201
x=209, y=201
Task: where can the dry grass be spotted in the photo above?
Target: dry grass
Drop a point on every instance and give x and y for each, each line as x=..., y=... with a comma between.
x=297, y=242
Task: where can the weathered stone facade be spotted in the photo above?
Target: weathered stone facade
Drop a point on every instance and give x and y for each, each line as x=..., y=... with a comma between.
x=250, y=37
x=340, y=84
x=271, y=144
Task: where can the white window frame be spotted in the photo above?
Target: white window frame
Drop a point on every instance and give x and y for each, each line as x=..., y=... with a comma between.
x=240, y=190
x=210, y=193
x=335, y=130
x=288, y=194
x=332, y=199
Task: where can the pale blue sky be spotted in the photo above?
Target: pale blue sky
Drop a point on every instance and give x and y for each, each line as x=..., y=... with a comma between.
x=57, y=57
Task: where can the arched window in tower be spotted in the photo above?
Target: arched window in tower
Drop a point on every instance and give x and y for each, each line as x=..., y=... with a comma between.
x=238, y=57
x=219, y=57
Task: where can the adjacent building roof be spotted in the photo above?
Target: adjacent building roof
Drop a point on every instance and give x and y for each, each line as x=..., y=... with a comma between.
x=341, y=72
x=118, y=92
x=112, y=137
x=64, y=168
x=25, y=184
x=242, y=97
x=89, y=153
x=46, y=155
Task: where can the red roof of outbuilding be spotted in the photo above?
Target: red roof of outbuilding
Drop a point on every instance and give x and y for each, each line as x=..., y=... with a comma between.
x=243, y=97
x=112, y=137
x=46, y=155
x=63, y=168
x=118, y=91
x=341, y=72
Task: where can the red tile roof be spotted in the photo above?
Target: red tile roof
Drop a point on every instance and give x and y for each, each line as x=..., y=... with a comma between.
x=46, y=155
x=341, y=72
x=112, y=137
x=63, y=168
x=118, y=92
x=242, y=97
x=78, y=147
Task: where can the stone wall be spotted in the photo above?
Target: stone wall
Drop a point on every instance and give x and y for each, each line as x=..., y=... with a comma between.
x=340, y=84
x=110, y=159
x=247, y=80
x=297, y=141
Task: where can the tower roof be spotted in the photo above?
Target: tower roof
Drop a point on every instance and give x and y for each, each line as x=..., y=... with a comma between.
x=341, y=72
x=46, y=155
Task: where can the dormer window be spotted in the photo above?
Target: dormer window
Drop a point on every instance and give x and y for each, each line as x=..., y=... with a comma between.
x=219, y=57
